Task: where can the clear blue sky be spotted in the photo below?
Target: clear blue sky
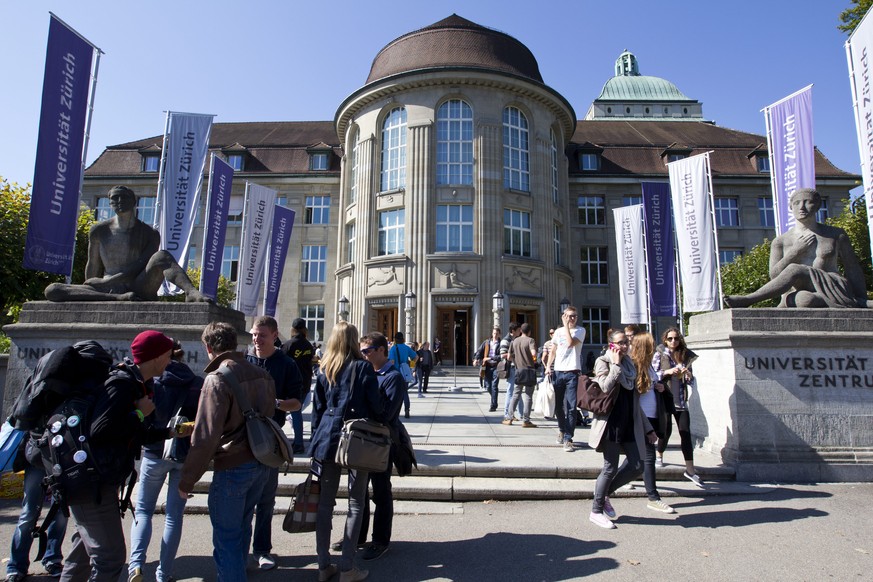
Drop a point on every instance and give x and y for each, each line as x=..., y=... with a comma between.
x=297, y=61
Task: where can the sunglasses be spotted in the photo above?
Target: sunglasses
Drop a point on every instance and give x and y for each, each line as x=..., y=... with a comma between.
x=673, y=339
x=366, y=351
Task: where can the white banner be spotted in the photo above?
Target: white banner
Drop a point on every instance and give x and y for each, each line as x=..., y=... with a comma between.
x=698, y=267
x=631, y=263
x=859, y=49
x=257, y=223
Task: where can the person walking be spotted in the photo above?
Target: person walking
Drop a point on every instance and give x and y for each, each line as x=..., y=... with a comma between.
x=402, y=355
x=624, y=428
x=302, y=352
x=424, y=367
x=566, y=360
x=673, y=362
x=177, y=392
x=487, y=356
x=522, y=353
x=346, y=388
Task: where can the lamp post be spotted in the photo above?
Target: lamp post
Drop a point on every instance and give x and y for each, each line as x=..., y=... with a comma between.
x=410, y=313
x=343, y=308
x=565, y=303
x=497, y=307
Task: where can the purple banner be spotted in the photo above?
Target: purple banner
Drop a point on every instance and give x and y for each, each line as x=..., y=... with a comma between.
x=54, y=206
x=792, y=152
x=658, y=214
x=283, y=222
x=215, y=226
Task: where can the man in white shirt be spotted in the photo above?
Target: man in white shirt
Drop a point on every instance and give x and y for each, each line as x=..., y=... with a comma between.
x=565, y=358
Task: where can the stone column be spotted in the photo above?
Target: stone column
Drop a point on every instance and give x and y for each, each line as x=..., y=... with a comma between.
x=365, y=230
x=489, y=214
x=419, y=192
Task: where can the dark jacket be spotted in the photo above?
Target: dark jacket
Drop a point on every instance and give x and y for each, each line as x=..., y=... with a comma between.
x=285, y=376
x=334, y=404
x=178, y=384
x=299, y=349
x=220, y=429
x=393, y=389
x=116, y=430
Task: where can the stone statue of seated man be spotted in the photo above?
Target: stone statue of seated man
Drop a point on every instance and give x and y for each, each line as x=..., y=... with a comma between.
x=804, y=264
x=125, y=262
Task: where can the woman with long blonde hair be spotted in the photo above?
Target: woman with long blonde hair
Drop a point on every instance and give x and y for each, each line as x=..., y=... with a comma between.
x=652, y=406
x=346, y=388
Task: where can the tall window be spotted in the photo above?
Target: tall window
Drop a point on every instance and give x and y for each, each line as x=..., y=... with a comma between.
x=230, y=262
x=317, y=210
x=556, y=240
x=822, y=213
x=392, y=224
x=727, y=212
x=145, y=209
x=592, y=210
x=235, y=210
x=314, y=263
x=765, y=211
x=192, y=257
x=454, y=143
x=595, y=266
x=631, y=200
x=726, y=256
x=353, y=187
x=595, y=320
x=351, y=238
x=102, y=211
x=394, y=150
x=454, y=228
x=516, y=156
x=553, y=162
x=516, y=233
x=314, y=316
x=318, y=161
x=589, y=162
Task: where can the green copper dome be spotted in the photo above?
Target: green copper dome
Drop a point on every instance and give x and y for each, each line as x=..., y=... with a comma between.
x=629, y=85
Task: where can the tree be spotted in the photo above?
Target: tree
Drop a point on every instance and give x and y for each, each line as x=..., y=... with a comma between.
x=853, y=220
x=851, y=17
x=226, y=289
x=18, y=284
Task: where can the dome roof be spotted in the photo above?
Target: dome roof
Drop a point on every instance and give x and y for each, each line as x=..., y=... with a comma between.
x=455, y=42
x=641, y=88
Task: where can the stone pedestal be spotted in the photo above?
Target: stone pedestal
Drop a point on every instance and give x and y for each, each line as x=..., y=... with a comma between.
x=44, y=326
x=786, y=394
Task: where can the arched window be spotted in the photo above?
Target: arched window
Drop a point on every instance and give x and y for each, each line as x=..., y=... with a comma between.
x=553, y=159
x=516, y=151
x=394, y=150
x=455, y=143
x=353, y=164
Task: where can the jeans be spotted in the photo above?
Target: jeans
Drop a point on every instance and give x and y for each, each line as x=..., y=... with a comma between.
x=330, y=476
x=524, y=393
x=422, y=376
x=19, y=554
x=649, y=466
x=232, y=498
x=492, y=383
x=510, y=378
x=297, y=428
x=612, y=476
x=262, y=542
x=153, y=474
x=383, y=516
x=565, y=384
x=97, y=553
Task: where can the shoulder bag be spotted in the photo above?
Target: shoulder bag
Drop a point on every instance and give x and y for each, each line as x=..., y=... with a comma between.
x=267, y=440
x=364, y=445
x=590, y=397
x=404, y=368
x=302, y=512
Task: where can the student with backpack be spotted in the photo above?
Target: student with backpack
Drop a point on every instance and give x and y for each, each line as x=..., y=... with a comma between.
x=117, y=432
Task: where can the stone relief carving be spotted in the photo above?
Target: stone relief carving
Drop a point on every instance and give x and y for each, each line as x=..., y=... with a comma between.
x=453, y=278
x=523, y=278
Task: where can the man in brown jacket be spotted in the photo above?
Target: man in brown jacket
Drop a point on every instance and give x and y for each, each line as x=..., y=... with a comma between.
x=220, y=436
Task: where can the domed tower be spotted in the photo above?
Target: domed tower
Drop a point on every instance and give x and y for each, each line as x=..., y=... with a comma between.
x=631, y=95
x=453, y=188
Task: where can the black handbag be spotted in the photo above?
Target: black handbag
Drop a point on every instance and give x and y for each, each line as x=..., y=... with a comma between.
x=364, y=444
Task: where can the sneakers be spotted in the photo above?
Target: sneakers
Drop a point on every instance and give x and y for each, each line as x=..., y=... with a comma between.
x=327, y=573
x=299, y=450
x=492, y=409
x=528, y=424
x=586, y=421
x=568, y=447
x=15, y=577
x=373, y=552
x=658, y=505
x=506, y=421
x=659, y=462
x=338, y=546
x=694, y=479
x=601, y=520
x=54, y=569
x=266, y=561
x=135, y=575
x=420, y=395
x=560, y=439
x=608, y=509
x=354, y=575
x=407, y=414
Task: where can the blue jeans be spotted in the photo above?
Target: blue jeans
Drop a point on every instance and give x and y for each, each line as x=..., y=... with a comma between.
x=565, y=384
x=612, y=476
x=329, y=479
x=19, y=554
x=232, y=498
x=297, y=428
x=383, y=516
x=510, y=379
x=153, y=473
x=492, y=383
x=262, y=542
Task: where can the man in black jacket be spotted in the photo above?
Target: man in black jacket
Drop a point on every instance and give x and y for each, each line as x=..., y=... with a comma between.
x=301, y=351
x=118, y=430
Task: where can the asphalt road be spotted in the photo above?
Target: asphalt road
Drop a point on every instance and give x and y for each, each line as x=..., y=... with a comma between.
x=791, y=532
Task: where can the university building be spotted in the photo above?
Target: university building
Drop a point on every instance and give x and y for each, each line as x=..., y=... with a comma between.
x=455, y=188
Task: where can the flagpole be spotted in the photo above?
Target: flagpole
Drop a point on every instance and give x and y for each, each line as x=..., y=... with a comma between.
x=159, y=201
x=242, y=237
x=866, y=192
x=678, y=288
x=206, y=220
x=773, y=186
x=714, y=232
x=646, y=270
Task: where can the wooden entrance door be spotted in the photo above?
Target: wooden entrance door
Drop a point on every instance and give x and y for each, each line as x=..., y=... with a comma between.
x=527, y=316
x=386, y=322
x=453, y=330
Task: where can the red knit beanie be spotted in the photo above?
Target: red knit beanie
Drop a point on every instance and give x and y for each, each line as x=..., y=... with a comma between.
x=149, y=345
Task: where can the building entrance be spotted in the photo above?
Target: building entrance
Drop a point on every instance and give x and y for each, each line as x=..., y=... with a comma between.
x=527, y=316
x=386, y=322
x=453, y=329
